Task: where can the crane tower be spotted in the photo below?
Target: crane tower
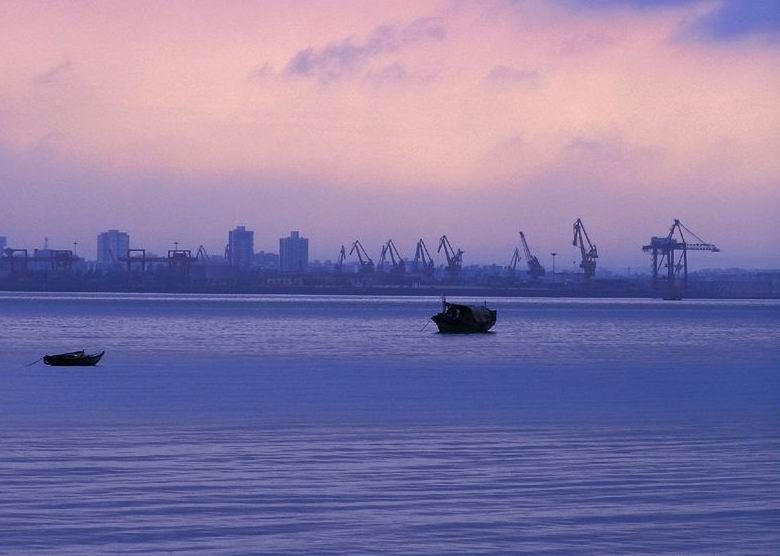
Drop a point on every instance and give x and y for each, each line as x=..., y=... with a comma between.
x=535, y=268
x=422, y=259
x=389, y=251
x=341, y=259
x=366, y=262
x=588, y=251
x=454, y=258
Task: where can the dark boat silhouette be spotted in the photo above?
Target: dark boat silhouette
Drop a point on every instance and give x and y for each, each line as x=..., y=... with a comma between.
x=464, y=319
x=73, y=359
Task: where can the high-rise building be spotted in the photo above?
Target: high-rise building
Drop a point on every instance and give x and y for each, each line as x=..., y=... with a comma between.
x=293, y=253
x=241, y=247
x=111, y=245
x=3, y=244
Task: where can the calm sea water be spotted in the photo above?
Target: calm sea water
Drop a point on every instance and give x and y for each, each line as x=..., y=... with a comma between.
x=332, y=425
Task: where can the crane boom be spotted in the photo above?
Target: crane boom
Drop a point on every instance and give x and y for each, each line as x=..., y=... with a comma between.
x=700, y=244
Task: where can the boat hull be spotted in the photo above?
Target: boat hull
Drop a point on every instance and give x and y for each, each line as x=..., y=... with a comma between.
x=71, y=361
x=447, y=325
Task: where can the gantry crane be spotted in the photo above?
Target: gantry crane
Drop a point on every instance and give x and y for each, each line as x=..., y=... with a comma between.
x=454, y=258
x=663, y=251
x=535, y=268
x=422, y=259
x=366, y=263
x=341, y=259
x=398, y=262
x=588, y=251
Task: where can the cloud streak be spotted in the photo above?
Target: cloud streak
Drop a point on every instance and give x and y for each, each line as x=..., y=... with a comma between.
x=348, y=57
x=54, y=73
x=504, y=75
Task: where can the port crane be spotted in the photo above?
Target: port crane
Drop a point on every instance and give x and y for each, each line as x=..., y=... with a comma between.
x=341, y=259
x=535, y=268
x=202, y=255
x=423, y=257
x=454, y=258
x=514, y=262
x=588, y=251
x=664, y=251
x=398, y=262
x=366, y=262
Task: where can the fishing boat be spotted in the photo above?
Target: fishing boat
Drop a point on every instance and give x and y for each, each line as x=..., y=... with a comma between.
x=73, y=359
x=457, y=318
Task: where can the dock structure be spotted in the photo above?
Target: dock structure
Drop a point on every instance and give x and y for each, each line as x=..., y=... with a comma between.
x=18, y=261
x=179, y=261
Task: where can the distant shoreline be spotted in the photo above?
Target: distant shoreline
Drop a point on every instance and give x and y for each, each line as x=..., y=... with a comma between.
x=703, y=290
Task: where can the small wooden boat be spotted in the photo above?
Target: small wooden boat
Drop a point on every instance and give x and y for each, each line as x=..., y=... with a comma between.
x=464, y=319
x=73, y=359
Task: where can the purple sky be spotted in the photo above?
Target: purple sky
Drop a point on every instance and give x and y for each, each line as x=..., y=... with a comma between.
x=176, y=121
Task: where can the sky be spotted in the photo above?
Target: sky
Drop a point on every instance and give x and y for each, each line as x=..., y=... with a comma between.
x=178, y=120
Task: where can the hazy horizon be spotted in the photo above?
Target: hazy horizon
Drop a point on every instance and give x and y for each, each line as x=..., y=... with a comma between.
x=178, y=121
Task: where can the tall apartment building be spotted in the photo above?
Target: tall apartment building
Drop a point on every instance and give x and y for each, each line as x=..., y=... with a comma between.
x=111, y=245
x=3, y=244
x=241, y=247
x=293, y=253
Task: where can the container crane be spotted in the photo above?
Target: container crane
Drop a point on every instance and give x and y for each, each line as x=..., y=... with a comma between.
x=341, y=259
x=454, y=258
x=423, y=257
x=366, y=263
x=398, y=262
x=663, y=251
x=588, y=251
x=535, y=268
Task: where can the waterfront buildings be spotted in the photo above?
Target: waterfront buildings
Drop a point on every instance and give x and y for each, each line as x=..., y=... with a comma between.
x=241, y=247
x=111, y=245
x=293, y=253
x=267, y=261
